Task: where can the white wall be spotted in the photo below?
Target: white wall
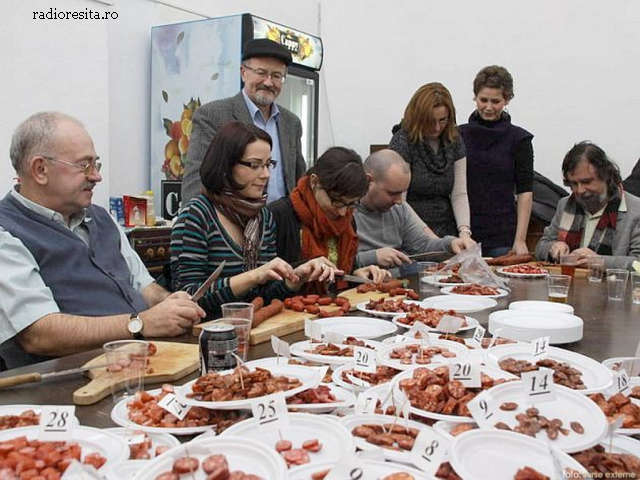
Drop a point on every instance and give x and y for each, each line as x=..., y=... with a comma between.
x=574, y=65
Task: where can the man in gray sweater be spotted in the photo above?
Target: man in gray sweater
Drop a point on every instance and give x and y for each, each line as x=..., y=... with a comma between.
x=598, y=218
x=388, y=228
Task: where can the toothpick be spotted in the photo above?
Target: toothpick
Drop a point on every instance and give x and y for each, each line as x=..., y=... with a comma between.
x=239, y=367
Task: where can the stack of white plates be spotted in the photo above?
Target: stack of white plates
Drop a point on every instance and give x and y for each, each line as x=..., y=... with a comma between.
x=528, y=324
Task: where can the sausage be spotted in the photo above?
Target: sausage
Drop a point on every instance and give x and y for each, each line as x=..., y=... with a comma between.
x=413, y=295
x=283, y=446
x=186, y=465
x=274, y=308
x=216, y=466
x=168, y=476
x=95, y=459
x=151, y=349
x=391, y=284
x=330, y=313
x=312, y=445
x=509, y=259
x=340, y=301
x=258, y=303
x=325, y=301
x=309, y=301
x=314, y=297
x=287, y=303
x=297, y=306
x=312, y=309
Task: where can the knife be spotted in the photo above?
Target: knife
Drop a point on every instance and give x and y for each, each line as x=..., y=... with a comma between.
x=35, y=377
x=427, y=254
x=354, y=279
x=205, y=286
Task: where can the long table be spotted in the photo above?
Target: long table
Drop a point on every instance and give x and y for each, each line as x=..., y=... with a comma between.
x=611, y=329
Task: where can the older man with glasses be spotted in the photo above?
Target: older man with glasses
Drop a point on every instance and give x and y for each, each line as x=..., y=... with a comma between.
x=70, y=279
x=263, y=70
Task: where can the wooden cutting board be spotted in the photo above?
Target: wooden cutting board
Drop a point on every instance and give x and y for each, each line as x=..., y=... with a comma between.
x=171, y=362
x=288, y=321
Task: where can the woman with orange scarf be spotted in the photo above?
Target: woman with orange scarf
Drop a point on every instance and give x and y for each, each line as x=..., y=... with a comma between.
x=316, y=220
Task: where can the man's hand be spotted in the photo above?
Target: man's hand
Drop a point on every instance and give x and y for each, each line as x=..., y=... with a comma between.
x=583, y=255
x=390, y=257
x=557, y=249
x=373, y=273
x=172, y=317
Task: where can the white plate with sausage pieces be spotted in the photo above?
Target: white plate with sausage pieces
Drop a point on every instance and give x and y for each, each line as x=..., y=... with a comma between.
x=334, y=439
x=309, y=378
x=362, y=306
x=305, y=349
x=91, y=440
x=460, y=303
x=595, y=376
x=498, y=455
x=343, y=399
x=244, y=454
x=359, y=327
x=135, y=436
x=512, y=271
x=470, y=323
x=450, y=350
x=449, y=291
x=373, y=469
x=569, y=406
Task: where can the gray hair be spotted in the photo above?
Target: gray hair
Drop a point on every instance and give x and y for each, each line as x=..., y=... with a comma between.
x=36, y=136
x=379, y=162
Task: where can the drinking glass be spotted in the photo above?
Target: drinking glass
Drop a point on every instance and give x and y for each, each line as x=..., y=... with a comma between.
x=558, y=288
x=616, y=283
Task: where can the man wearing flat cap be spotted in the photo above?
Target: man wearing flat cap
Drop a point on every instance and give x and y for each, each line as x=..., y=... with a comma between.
x=263, y=69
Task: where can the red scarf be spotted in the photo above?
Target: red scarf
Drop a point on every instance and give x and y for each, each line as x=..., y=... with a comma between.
x=317, y=229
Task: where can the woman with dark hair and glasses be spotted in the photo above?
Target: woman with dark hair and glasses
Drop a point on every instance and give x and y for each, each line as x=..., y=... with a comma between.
x=499, y=167
x=229, y=221
x=316, y=220
x=428, y=139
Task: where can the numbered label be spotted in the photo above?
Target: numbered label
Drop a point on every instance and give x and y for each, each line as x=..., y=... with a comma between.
x=466, y=372
x=429, y=450
x=56, y=422
x=271, y=411
x=632, y=366
x=366, y=404
x=478, y=335
x=539, y=385
x=540, y=348
x=422, y=329
x=484, y=410
x=334, y=337
x=172, y=405
x=313, y=330
x=364, y=360
x=280, y=347
x=621, y=379
x=449, y=324
x=350, y=467
x=136, y=439
x=496, y=335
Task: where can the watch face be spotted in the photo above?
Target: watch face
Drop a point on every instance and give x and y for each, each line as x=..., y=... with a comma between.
x=135, y=325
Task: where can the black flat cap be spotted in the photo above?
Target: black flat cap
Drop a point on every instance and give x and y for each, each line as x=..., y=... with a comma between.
x=263, y=47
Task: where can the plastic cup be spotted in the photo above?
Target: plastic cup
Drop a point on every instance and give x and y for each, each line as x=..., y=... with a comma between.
x=558, y=288
x=596, y=269
x=616, y=283
x=242, y=327
x=126, y=365
x=635, y=287
x=238, y=310
x=568, y=264
x=426, y=275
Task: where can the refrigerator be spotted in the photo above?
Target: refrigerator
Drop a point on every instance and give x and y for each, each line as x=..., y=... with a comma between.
x=193, y=63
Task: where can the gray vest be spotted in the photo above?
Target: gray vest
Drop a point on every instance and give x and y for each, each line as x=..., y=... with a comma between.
x=85, y=280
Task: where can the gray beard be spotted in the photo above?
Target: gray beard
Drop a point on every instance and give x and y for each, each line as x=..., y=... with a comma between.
x=261, y=101
x=593, y=203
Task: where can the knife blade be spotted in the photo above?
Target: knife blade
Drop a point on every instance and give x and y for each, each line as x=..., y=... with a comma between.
x=427, y=254
x=205, y=286
x=38, y=377
x=354, y=279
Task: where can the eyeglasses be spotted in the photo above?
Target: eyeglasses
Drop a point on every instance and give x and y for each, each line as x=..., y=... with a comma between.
x=86, y=168
x=340, y=204
x=442, y=122
x=263, y=74
x=255, y=166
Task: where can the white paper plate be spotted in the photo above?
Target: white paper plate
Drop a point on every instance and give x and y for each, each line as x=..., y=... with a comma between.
x=527, y=325
x=302, y=350
x=308, y=376
x=502, y=271
x=459, y=303
x=120, y=416
x=444, y=427
x=492, y=372
x=352, y=421
x=569, y=406
x=18, y=409
x=336, y=376
x=344, y=399
x=595, y=376
x=383, y=355
x=472, y=323
x=92, y=440
x=157, y=439
x=498, y=455
x=622, y=444
x=359, y=327
x=436, y=280
x=448, y=291
x=541, y=305
x=335, y=438
x=379, y=469
x=243, y=454
x=362, y=307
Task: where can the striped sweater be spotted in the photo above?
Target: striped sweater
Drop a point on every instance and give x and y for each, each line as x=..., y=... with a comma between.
x=199, y=243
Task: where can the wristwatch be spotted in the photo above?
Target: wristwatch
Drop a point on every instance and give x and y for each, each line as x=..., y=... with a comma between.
x=135, y=326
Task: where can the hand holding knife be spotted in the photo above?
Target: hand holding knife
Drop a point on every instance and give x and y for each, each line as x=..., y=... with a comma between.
x=208, y=282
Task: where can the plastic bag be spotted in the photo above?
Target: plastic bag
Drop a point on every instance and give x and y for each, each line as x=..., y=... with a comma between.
x=474, y=269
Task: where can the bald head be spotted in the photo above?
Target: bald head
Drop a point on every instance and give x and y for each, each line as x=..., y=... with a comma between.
x=36, y=136
x=389, y=177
